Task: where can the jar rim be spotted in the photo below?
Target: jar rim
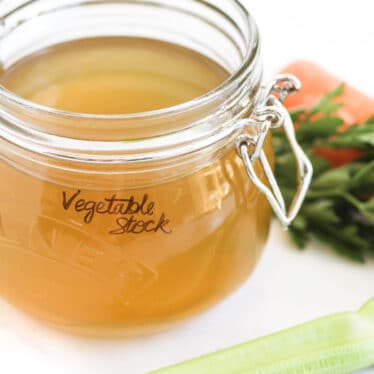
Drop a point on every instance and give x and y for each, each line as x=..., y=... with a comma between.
x=189, y=133
x=252, y=51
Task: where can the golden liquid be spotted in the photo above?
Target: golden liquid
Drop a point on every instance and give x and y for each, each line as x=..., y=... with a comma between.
x=125, y=260
x=113, y=76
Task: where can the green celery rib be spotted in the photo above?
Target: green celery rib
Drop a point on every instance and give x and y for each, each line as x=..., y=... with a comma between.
x=337, y=344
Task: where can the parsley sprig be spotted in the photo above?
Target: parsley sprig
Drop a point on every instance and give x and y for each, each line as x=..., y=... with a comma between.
x=339, y=208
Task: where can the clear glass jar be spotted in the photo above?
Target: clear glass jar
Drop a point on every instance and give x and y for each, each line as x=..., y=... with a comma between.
x=128, y=223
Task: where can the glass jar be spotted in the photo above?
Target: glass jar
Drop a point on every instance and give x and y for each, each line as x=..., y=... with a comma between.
x=128, y=223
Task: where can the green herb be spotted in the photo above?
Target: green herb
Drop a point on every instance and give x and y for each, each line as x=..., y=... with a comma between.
x=343, y=343
x=339, y=208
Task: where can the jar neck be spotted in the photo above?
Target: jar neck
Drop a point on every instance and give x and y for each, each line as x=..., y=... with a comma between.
x=196, y=126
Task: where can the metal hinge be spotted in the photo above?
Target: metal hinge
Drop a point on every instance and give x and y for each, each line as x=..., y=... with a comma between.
x=269, y=115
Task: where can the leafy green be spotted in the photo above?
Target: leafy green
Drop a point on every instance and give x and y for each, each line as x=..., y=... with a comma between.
x=326, y=126
x=356, y=137
x=326, y=104
x=339, y=207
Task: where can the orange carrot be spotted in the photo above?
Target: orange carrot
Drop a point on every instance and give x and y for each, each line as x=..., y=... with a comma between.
x=316, y=82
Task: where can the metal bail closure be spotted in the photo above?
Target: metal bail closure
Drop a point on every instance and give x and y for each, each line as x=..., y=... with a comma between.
x=273, y=115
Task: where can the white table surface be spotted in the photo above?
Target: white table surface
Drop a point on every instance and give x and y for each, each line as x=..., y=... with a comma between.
x=288, y=287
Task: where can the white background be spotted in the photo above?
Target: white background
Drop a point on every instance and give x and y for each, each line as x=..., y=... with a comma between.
x=288, y=287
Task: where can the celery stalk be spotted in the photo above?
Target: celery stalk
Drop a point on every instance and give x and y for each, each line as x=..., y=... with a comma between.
x=338, y=344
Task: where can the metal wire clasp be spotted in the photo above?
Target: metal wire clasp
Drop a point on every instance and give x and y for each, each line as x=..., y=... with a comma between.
x=272, y=114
